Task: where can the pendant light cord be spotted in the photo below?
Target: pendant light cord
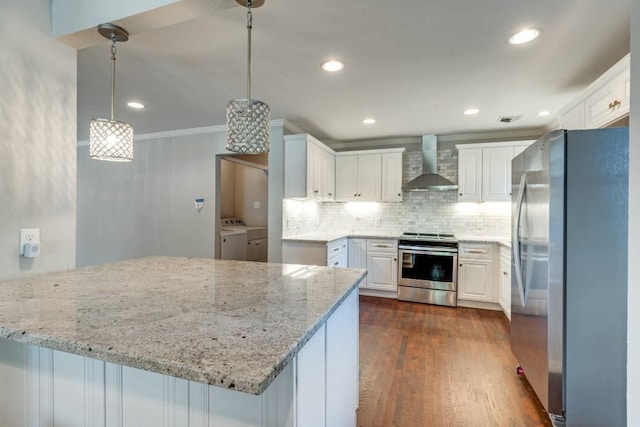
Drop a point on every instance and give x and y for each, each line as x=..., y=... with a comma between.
x=113, y=71
x=249, y=26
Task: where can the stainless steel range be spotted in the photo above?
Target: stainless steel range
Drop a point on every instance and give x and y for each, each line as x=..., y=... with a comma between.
x=429, y=268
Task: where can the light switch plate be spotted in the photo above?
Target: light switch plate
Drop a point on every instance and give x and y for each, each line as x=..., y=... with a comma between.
x=29, y=235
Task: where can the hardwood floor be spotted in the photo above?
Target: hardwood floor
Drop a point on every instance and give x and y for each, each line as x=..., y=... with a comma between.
x=426, y=365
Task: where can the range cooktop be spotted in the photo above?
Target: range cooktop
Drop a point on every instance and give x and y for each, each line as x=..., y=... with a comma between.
x=429, y=236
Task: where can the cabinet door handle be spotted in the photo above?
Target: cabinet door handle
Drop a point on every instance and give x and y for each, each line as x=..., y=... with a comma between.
x=336, y=249
x=355, y=195
x=395, y=259
x=224, y=240
x=336, y=263
x=399, y=194
x=475, y=251
x=315, y=191
x=461, y=194
x=460, y=265
x=331, y=194
x=504, y=272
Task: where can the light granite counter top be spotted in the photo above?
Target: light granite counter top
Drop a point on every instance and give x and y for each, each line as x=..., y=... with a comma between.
x=230, y=324
x=500, y=240
x=322, y=237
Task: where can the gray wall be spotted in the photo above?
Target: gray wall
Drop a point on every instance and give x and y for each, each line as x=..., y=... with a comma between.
x=633, y=331
x=146, y=207
x=37, y=139
x=227, y=189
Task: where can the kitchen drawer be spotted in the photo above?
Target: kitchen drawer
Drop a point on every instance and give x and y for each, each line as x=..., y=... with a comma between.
x=337, y=253
x=382, y=245
x=475, y=250
x=336, y=260
x=336, y=247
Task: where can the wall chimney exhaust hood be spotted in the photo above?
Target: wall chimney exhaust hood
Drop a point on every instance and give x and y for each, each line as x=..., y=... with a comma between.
x=429, y=180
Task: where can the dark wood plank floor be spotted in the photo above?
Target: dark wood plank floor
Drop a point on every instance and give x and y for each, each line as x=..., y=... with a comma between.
x=425, y=365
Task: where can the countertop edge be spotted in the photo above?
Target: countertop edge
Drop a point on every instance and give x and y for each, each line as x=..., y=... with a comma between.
x=502, y=241
x=295, y=349
x=168, y=367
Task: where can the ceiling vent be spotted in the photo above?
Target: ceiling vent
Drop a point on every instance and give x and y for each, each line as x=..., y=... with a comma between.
x=509, y=119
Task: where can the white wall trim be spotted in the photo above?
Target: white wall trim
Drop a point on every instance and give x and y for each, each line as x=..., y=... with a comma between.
x=494, y=135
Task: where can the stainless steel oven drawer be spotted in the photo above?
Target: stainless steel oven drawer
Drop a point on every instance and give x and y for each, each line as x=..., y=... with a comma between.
x=427, y=284
x=427, y=296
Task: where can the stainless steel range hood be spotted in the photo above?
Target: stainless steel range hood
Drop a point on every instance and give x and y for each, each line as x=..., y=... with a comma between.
x=429, y=180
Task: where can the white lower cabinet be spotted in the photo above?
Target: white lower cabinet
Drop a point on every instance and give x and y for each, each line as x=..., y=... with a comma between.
x=358, y=256
x=476, y=279
x=332, y=254
x=383, y=269
x=380, y=258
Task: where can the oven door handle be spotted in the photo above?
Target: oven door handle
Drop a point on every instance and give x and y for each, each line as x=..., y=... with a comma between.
x=434, y=253
x=420, y=250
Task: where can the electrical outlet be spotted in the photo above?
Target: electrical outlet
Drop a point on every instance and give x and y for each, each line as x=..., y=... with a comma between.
x=29, y=235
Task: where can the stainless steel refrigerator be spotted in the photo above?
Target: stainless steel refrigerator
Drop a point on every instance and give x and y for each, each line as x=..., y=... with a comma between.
x=569, y=273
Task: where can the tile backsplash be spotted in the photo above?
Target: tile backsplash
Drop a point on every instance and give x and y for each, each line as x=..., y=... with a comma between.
x=433, y=211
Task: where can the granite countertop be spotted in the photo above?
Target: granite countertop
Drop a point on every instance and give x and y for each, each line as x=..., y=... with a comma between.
x=322, y=237
x=230, y=324
x=501, y=240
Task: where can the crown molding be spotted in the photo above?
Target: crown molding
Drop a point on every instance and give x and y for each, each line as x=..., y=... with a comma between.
x=530, y=133
x=193, y=131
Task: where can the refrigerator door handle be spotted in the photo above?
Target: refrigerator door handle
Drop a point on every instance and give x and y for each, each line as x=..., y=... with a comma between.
x=515, y=236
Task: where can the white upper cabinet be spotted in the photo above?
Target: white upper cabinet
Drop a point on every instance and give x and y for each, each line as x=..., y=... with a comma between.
x=610, y=102
x=347, y=177
x=484, y=170
x=309, y=169
x=603, y=103
x=392, y=177
x=369, y=175
x=573, y=118
x=470, y=175
x=496, y=173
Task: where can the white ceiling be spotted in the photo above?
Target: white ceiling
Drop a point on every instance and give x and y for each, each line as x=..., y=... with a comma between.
x=413, y=65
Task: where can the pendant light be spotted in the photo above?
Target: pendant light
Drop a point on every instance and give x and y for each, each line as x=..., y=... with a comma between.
x=111, y=139
x=248, y=119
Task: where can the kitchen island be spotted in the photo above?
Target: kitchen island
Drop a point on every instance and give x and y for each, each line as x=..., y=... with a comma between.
x=180, y=342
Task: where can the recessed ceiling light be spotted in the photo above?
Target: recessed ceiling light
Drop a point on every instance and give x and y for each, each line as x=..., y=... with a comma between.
x=369, y=121
x=471, y=111
x=524, y=36
x=137, y=105
x=332, y=65
x=543, y=113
